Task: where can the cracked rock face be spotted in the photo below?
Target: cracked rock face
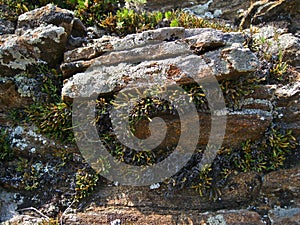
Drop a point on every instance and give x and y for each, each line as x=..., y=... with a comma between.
x=168, y=56
x=148, y=57
x=41, y=36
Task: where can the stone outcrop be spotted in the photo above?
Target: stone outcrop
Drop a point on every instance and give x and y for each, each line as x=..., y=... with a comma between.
x=164, y=57
x=41, y=36
x=262, y=12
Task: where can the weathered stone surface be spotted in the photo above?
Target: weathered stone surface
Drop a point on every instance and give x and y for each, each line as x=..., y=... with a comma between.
x=133, y=216
x=282, y=181
x=289, y=216
x=6, y=27
x=10, y=98
x=44, y=43
x=288, y=107
x=8, y=205
x=266, y=11
x=290, y=47
x=50, y=14
x=204, y=8
x=199, y=41
x=42, y=35
x=240, y=126
x=151, y=62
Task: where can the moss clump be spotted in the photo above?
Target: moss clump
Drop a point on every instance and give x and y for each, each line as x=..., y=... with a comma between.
x=85, y=183
x=263, y=157
x=30, y=174
x=235, y=90
x=51, y=116
x=6, y=152
x=54, y=120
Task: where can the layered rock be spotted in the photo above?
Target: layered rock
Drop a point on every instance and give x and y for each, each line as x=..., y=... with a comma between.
x=262, y=12
x=41, y=35
x=144, y=60
x=110, y=65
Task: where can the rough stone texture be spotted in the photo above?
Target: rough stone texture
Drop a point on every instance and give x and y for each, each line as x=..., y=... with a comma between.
x=152, y=57
x=6, y=27
x=8, y=204
x=10, y=98
x=228, y=10
x=288, y=107
x=44, y=43
x=290, y=47
x=133, y=216
x=262, y=12
x=42, y=35
x=51, y=14
x=283, y=181
x=199, y=40
x=289, y=216
x=217, y=51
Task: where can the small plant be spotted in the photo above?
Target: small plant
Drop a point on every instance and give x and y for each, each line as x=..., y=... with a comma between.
x=267, y=156
x=29, y=173
x=54, y=120
x=127, y=21
x=6, y=152
x=279, y=67
x=235, y=90
x=204, y=182
x=85, y=183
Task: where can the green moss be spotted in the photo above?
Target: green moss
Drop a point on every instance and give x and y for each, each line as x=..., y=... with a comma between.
x=29, y=173
x=268, y=155
x=6, y=152
x=85, y=183
x=53, y=120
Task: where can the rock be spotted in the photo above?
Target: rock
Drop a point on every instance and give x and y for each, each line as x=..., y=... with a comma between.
x=204, y=8
x=199, y=40
x=289, y=216
x=290, y=47
x=262, y=12
x=9, y=203
x=50, y=14
x=282, y=183
x=217, y=52
x=42, y=35
x=45, y=43
x=288, y=107
x=6, y=27
x=10, y=98
x=129, y=215
x=229, y=11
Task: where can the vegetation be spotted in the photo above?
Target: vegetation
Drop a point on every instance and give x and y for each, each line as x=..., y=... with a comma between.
x=51, y=116
x=85, y=183
x=6, y=152
x=275, y=70
x=127, y=21
x=113, y=17
x=54, y=120
x=260, y=157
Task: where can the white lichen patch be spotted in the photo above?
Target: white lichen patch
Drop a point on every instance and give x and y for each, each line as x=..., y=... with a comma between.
x=216, y=220
x=42, y=33
x=26, y=86
x=19, y=54
x=203, y=11
x=27, y=139
x=154, y=186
